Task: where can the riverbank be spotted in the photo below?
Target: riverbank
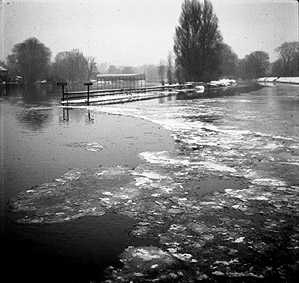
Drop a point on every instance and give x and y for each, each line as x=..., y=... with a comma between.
x=286, y=80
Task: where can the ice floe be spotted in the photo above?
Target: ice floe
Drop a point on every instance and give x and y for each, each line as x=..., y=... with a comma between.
x=89, y=146
x=163, y=157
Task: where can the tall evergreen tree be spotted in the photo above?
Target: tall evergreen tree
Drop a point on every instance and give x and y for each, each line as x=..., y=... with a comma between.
x=161, y=70
x=197, y=40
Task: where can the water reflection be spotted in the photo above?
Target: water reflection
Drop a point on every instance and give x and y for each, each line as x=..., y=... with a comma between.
x=65, y=112
x=89, y=118
x=35, y=119
x=162, y=100
x=169, y=98
x=30, y=95
x=35, y=94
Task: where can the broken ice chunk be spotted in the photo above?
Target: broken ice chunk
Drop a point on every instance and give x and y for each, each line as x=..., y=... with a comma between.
x=239, y=240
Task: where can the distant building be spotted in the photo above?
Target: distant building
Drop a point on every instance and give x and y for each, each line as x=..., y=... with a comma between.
x=120, y=81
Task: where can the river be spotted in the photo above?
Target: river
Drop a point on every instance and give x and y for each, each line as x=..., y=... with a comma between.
x=218, y=200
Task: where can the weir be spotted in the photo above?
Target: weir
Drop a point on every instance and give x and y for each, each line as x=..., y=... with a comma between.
x=116, y=88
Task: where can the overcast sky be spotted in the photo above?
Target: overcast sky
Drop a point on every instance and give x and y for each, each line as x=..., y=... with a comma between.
x=135, y=32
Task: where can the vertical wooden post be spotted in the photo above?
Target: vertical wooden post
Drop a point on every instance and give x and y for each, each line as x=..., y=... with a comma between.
x=88, y=84
x=6, y=86
x=62, y=88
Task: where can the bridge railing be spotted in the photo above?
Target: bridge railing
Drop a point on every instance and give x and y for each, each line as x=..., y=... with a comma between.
x=68, y=96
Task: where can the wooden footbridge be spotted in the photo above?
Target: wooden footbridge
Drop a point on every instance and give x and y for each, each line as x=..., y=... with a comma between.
x=116, y=88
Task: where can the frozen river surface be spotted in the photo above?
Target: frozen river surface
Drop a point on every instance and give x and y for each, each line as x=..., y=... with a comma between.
x=221, y=203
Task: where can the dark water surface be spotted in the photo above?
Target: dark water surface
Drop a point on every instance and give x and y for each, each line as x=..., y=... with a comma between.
x=218, y=201
x=40, y=142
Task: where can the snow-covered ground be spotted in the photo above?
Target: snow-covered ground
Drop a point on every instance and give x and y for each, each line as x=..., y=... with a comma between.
x=289, y=80
x=267, y=79
x=222, y=82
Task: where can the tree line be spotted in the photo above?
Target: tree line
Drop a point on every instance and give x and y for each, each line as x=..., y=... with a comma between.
x=202, y=55
x=31, y=60
x=199, y=54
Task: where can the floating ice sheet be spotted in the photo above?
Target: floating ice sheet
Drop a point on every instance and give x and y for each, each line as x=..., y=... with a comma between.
x=219, y=231
x=89, y=146
x=163, y=157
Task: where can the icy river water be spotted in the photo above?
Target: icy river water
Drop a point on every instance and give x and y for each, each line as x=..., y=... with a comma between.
x=218, y=201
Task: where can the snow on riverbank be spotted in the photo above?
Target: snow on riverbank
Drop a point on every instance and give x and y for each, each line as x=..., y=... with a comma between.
x=288, y=80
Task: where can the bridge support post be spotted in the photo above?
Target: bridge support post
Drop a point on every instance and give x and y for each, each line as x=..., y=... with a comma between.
x=88, y=84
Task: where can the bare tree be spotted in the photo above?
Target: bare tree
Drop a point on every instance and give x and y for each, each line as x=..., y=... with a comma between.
x=71, y=66
x=92, y=68
x=169, y=68
x=288, y=61
x=161, y=71
x=254, y=65
x=128, y=70
x=113, y=70
x=102, y=67
x=30, y=59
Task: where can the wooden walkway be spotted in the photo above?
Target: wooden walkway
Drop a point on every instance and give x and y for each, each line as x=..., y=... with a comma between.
x=114, y=96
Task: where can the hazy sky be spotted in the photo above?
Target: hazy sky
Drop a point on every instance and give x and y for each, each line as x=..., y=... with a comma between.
x=135, y=32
